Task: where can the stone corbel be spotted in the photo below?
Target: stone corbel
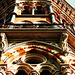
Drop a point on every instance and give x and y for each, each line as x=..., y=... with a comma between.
x=1, y=49
x=4, y=41
x=63, y=41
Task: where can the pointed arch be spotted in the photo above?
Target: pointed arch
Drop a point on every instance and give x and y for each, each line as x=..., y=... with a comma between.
x=21, y=48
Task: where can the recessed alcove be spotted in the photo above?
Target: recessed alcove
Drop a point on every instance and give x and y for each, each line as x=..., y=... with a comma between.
x=34, y=60
x=21, y=72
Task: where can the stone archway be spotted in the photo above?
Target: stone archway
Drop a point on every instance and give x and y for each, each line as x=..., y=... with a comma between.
x=36, y=54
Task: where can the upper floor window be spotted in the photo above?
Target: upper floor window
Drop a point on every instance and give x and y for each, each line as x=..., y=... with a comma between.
x=33, y=10
x=39, y=10
x=26, y=10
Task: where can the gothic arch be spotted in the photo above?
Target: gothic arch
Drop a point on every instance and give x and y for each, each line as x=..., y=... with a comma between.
x=21, y=48
x=33, y=53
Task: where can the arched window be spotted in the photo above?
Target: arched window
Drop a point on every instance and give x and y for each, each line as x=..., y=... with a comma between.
x=45, y=72
x=21, y=72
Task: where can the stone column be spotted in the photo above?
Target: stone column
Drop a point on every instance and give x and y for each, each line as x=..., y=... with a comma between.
x=52, y=15
x=33, y=10
x=13, y=16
